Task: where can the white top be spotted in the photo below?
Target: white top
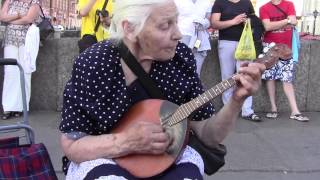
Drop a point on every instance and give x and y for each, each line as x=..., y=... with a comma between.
x=191, y=12
x=31, y=49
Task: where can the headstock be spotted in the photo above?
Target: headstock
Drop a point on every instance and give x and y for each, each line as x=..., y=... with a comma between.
x=272, y=55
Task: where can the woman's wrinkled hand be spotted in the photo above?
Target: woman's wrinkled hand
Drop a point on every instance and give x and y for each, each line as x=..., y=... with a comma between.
x=248, y=80
x=147, y=138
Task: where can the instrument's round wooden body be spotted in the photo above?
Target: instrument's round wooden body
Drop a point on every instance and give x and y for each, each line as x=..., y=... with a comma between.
x=156, y=111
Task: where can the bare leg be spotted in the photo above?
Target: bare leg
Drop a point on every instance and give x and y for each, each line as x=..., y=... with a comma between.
x=289, y=91
x=271, y=88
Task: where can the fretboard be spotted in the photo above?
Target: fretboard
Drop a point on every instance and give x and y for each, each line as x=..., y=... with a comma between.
x=185, y=110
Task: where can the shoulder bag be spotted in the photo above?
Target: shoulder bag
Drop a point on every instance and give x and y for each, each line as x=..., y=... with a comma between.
x=45, y=26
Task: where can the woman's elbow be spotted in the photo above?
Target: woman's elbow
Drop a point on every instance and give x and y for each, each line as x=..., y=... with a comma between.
x=69, y=149
x=83, y=14
x=214, y=25
x=3, y=19
x=29, y=21
x=65, y=144
x=267, y=28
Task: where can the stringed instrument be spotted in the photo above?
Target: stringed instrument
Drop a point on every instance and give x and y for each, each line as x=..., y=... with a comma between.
x=174, y=118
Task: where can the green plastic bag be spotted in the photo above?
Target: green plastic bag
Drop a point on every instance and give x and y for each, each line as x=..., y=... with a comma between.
x=245, y=49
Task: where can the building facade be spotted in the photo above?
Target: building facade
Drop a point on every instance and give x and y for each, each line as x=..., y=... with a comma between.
x=62, y=12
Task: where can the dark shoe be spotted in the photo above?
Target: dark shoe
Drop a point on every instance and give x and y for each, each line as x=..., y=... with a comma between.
x=6, y=115
x=272, y=115
x=252, y=117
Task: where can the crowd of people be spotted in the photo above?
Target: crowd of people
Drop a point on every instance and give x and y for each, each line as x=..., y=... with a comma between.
x=169, y=40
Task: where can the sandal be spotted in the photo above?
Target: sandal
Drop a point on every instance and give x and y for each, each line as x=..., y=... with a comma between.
x=6, y=115
x=299, y=117
x=272, y=115
x=252, y=117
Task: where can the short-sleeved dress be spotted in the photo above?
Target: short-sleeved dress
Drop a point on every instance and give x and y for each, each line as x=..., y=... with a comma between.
x=96, y=96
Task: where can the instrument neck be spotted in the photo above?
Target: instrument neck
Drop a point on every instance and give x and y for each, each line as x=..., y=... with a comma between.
x=185, y=110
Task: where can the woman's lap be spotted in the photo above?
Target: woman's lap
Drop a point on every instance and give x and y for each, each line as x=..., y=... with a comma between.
x=189, y=158
x=115, y=172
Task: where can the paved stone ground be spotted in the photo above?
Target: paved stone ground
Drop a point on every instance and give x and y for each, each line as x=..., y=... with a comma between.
x=280, y=149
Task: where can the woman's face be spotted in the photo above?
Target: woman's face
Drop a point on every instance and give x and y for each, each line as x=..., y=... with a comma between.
x=159, y=37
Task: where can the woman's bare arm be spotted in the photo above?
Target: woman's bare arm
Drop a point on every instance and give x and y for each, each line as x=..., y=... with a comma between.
x=216, y=22
x=4, y=16
x=215, y=129
x=30, y=17
x=142, y=137
x=86, y=9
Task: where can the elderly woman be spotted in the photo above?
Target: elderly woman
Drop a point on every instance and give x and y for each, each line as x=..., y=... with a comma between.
x=103, y=88
x=18, y=14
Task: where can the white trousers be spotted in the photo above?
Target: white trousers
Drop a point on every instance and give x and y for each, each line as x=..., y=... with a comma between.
x=228, y=66
x=11, y=93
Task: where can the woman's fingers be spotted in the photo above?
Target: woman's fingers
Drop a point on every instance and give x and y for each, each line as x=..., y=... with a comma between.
x=253, y=69
x=159, y=147
x=248, y=79
x=148, y=137
x=160, y=137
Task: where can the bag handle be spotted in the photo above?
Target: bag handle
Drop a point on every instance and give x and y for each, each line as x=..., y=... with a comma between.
x=282, y=11
x=144, y=78
x=99, y=21
x=43, y=16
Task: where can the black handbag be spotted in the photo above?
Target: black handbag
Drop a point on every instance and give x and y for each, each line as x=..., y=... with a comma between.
x=213, y=158
x=88, y=40
x=45, y=26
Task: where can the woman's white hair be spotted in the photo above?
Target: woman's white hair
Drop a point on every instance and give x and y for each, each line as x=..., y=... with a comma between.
x=136, y=12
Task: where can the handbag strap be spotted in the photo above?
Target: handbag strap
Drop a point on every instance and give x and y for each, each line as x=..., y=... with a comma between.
x=282, y=11
x=43, y=15
x=99, y=21
x=144, y=78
